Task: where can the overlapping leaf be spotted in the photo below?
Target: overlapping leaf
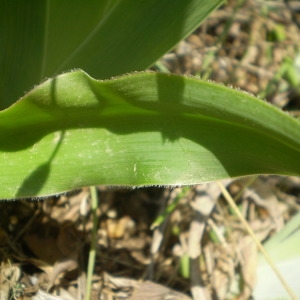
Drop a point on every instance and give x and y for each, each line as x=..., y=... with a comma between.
x=42, y=38
x=139, y=129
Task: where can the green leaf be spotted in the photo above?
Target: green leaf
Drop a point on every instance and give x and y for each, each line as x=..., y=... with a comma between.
x=283, y=248
x=105, y=38
x=136, y=130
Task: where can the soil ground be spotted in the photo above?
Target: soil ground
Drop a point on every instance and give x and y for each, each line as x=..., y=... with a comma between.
x=45, y=244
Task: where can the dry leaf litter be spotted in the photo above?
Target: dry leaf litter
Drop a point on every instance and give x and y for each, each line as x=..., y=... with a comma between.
x=44, y=245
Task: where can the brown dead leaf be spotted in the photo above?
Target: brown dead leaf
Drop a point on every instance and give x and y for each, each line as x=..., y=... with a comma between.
x=9, y=277
x=248, y=253
x=150, y=290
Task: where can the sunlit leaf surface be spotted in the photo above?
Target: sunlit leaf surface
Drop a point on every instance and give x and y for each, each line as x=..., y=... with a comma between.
x=283, y=248
x=139, y=129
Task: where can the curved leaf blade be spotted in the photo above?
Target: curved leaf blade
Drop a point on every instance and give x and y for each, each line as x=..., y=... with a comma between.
x=105, y=38
x=139, y=129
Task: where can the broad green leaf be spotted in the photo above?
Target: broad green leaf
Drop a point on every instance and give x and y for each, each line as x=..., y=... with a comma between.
x=139, y=129
x=283, y=248
x=105, y=38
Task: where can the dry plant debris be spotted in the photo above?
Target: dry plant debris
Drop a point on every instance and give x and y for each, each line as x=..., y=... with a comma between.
x=44, y=244
x=44, y=250
x=246, y=44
